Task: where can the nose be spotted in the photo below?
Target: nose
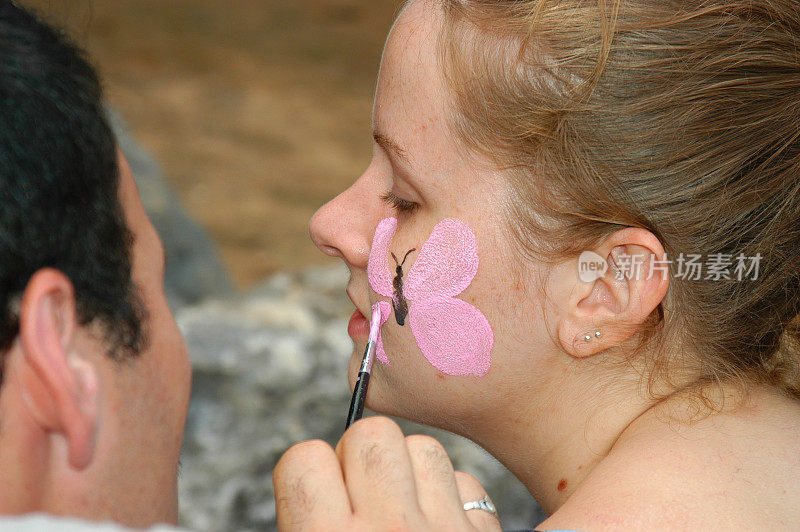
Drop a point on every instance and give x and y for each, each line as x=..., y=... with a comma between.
x=343, y=227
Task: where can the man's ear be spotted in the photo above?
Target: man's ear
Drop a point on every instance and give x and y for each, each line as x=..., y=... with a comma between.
x=60, y=384
x=620, y=297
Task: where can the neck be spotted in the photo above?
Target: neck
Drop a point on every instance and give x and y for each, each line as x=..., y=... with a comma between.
x=23, y=457
x=554, y=441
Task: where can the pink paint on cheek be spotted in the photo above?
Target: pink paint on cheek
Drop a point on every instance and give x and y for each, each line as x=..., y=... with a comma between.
x=446, y=264
x=378, y=271
x=380, y=353
x=454, y=336
x=380, y=275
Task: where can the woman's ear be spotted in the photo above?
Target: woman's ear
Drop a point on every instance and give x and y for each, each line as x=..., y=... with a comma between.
x=59, y=383
x=630, y=279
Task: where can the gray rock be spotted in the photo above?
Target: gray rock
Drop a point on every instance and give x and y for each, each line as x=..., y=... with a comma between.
x=194, y=270
x=269, y=371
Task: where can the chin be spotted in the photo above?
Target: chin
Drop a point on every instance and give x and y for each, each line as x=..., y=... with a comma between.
x=422, y=398
x=353, y=365
x=391, y=395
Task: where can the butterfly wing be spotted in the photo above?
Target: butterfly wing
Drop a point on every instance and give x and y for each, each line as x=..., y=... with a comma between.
x=446, y=264
x=453, y=335
x=386, y=311
x=380, y=352
x=378, y=271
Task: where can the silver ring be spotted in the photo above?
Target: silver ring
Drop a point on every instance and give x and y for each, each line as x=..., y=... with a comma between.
x=484, y=504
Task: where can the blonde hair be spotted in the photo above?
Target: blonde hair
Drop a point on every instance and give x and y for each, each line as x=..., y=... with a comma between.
x=680, y=118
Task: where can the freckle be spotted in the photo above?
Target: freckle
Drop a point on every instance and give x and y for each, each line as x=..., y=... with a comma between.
x=440, y=376
x=562, y=484
x=580, y=467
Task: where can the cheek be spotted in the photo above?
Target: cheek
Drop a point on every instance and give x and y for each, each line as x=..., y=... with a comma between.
x=400, y=345
x=171, y=358
x=181, y=365
x=495, y=291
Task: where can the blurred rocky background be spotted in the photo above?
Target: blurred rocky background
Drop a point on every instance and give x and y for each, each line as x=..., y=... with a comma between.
x=257, y=113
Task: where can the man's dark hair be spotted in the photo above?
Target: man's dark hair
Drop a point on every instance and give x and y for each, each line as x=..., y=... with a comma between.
x=59, y=180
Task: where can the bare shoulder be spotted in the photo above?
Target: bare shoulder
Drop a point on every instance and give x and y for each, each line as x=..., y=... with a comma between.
x=732, y=471
x=634, y=498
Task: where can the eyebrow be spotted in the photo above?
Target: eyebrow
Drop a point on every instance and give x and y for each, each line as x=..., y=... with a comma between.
x=390, y=146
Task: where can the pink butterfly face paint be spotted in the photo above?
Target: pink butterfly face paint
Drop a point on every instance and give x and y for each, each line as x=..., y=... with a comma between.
x=454, y=336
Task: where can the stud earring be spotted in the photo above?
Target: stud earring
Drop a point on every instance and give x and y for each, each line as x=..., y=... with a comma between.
x=588, y=337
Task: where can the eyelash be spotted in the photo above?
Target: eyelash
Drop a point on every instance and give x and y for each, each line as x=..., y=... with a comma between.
x=400, y=204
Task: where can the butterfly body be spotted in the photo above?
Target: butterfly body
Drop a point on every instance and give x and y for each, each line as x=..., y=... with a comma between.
x=398, y=301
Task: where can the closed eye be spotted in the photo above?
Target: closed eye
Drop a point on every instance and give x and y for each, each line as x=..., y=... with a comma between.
x=400, y=204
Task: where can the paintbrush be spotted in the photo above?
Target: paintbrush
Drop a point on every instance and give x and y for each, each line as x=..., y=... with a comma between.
x=360, y=392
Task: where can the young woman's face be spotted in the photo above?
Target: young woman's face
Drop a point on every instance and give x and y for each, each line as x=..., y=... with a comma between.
x=418, y=176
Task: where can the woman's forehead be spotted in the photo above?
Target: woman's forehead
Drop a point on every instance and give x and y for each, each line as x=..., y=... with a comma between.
x=410, y=97
x=411, y=44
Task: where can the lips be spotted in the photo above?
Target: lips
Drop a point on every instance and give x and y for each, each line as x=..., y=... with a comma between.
x=358, y=328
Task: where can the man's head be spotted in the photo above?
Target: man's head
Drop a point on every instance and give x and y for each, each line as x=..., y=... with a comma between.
x=95, y=374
